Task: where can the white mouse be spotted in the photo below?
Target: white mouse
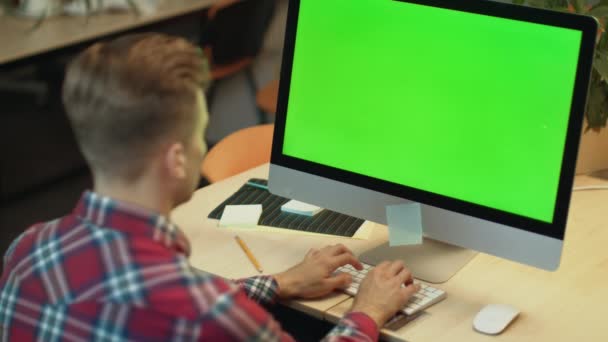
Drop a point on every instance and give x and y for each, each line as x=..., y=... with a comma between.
x=494, y=318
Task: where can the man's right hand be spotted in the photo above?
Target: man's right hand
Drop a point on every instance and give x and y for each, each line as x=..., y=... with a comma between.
x=381, y=295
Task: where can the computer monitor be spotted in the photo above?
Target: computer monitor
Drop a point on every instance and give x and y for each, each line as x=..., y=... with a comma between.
x=473, y=109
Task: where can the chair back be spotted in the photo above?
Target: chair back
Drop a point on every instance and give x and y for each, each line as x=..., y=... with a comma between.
x=238, y=152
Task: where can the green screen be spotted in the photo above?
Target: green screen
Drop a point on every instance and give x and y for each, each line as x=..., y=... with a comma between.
x=463, y=105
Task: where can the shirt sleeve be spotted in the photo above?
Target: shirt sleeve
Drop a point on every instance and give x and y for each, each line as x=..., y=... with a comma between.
x=355, y=327
x=245, y=319
x=261, y=289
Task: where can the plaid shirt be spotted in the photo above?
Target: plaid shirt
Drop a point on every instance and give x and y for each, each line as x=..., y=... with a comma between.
x=112, y=272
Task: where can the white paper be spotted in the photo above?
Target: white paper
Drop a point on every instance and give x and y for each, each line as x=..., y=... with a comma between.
x=300, y=208
x=241, y=215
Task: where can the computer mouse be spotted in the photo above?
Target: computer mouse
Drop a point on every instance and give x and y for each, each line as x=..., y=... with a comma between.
x=494, y=318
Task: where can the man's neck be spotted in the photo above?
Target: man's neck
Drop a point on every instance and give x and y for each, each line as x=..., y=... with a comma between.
x=141, y=193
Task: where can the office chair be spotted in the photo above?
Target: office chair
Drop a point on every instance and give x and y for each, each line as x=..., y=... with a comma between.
x=232, y=36
x=238, y=152
x=267, y=97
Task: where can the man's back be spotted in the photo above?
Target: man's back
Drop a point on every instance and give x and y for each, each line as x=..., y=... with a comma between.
x=114, y=271
x=111, y=271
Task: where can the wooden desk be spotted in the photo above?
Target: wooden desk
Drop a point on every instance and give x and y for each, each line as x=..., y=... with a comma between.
x=570, y=304
x=18, y=41
x=214, y=250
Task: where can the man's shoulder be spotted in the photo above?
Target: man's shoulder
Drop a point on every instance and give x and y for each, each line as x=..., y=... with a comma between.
x=26, y=242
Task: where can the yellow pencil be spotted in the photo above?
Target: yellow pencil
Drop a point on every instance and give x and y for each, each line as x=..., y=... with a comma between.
x=247, y=251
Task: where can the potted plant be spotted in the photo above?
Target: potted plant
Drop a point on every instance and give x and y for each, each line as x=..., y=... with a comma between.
x=33, y=8
x=593, y=153
x=42, y=9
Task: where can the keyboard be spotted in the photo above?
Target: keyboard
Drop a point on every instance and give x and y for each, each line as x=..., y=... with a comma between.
x=421, y=300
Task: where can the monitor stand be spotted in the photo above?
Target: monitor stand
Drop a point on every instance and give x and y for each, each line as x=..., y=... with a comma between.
x=433, y=261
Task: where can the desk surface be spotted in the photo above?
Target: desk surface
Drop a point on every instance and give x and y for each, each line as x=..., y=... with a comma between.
x=569, y=304
x=19, y=41
x=214, y=250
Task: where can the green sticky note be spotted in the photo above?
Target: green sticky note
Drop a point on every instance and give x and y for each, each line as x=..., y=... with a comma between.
x=404, y=224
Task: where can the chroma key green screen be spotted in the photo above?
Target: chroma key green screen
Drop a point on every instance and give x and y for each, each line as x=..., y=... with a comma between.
x=463, y=105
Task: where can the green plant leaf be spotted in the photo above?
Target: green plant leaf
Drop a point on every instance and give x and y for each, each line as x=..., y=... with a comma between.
x=600, y=11
x=538, y=3
x=600, y=64
x=580, y=6
x=602, y=45
x=561, y=9
x=556, y=3
x=519, y=2
x=597, y=105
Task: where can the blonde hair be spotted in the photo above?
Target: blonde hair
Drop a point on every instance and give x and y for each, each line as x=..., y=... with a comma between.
x=127, y=97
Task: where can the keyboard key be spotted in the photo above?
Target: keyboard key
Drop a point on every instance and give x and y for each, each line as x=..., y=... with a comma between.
x=427, y=296
x=425, y=301
x=413, y=306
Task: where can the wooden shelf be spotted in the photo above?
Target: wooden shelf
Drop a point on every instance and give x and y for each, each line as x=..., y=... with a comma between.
x=18, y=40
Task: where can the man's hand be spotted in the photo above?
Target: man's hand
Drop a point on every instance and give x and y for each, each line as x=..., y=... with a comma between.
x=381, y=295
x=313, y=277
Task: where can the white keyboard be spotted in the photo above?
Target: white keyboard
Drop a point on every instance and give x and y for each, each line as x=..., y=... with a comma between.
x=421, y=300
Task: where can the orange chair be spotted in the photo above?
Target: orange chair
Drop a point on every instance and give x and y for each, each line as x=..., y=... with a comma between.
x=268, y=96
x=238, y=152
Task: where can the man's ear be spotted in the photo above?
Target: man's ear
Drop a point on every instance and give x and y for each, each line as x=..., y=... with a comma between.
x=175, y=160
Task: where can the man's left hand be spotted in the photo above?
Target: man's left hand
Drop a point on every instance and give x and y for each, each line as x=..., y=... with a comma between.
x=313, y=277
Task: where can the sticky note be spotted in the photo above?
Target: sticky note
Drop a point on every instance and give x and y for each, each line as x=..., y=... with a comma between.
x=300, y=208
x=241, y=215
x=404, y=224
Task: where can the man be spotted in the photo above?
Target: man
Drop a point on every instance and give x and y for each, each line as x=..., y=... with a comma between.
x=116, y=268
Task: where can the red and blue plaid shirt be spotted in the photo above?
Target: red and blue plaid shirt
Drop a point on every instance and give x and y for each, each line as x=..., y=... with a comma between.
x=110, y=271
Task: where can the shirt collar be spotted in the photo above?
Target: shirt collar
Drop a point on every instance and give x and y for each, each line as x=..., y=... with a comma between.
x=131, y=219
